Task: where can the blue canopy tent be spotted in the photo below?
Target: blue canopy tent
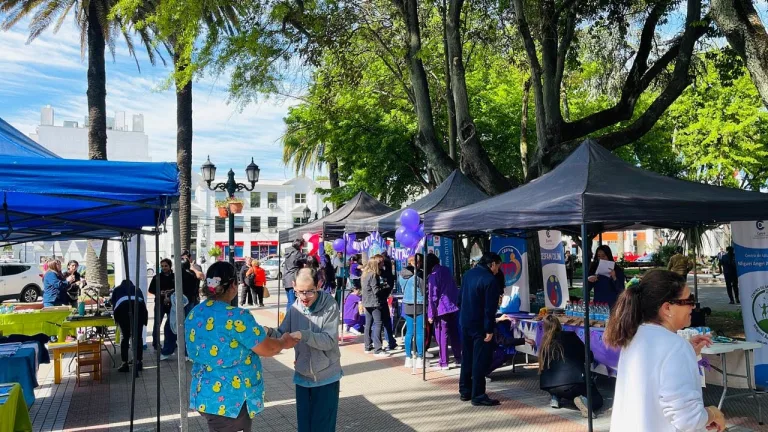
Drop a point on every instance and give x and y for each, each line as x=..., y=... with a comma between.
x=48, y=198
x=15, y=143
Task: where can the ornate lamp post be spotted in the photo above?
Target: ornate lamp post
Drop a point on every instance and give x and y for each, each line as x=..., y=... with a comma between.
x=307, y=213
x=230, y=187
x=326, y=211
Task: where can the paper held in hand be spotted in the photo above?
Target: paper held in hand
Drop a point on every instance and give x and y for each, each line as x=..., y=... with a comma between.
x=604, y=268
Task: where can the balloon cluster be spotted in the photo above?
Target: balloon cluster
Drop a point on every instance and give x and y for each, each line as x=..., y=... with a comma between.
x=411, y=230
x=345, y=244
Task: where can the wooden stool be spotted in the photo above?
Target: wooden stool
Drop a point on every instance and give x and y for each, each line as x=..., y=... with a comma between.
x=88, y=359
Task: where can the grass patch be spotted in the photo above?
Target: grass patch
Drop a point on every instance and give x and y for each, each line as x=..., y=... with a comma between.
x=728, y=322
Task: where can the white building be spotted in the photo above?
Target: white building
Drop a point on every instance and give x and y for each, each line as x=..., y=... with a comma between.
x=70, y=139
x=272, y=206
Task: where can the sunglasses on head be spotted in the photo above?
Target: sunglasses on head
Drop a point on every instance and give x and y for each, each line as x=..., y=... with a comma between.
x=690, y=301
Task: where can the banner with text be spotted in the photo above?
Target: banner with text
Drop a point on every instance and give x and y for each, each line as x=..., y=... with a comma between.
x=443, y=248
x=514, y=265
x=553, y=269
x=750, y=243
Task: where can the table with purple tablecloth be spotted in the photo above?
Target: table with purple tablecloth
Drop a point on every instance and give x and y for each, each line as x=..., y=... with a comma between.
x=606, y=359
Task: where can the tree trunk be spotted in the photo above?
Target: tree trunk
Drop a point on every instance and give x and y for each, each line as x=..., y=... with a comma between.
x=524, y=128
x=746, y=34
x=428, y=143
x=97, y=87
x=184, y=156
x=97, y=131
x=475, y=161
x=333, y=173
x=449, y=103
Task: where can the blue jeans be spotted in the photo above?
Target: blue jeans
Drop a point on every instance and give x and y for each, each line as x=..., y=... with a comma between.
x=291, y=299
x=409, y=336
x=169, y=343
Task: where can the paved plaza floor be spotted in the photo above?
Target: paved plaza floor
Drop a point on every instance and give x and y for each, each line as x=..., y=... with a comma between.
x=376, y=395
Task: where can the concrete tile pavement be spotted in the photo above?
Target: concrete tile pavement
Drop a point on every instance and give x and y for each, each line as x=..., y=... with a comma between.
x=376, y=395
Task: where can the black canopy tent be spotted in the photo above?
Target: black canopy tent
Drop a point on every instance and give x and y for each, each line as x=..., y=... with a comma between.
x=455, y=191
x=593, y=191
x=45, y=198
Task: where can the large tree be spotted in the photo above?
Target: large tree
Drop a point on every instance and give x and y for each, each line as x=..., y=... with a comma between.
x=98, y=30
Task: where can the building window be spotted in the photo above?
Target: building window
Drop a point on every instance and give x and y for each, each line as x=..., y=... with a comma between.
x=272, y=199
x=255, y=199
x=239, y=224
x=297, y=222
x=255, y=224
x=193, y=228
x=220, y=224
x=193, y=195
x=300, y=198
x=272, y=222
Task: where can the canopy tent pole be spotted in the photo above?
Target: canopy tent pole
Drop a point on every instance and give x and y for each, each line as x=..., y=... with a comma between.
x=126, y=263
x=183, y=397
x=587, y=351
x=695, y=275
x=279, y=279
x=342, y=287
x=135, y=326
x=158, y=318
x=424, y=342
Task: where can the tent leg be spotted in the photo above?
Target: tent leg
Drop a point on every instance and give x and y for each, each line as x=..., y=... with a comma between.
x=183, y=396
x=587, y=365
x=135, y=325
x=695, y=277
x=158, y=313
x=126, y=264
x=424, y=342
x=279, y=279
x=341, y=306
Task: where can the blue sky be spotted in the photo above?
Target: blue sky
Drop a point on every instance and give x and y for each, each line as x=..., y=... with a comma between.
x=49, y=71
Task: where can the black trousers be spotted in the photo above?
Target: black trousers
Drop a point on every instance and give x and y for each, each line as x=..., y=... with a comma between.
x=732, y=286
x=258, y=295
x=475, y=359
x=572, y=391
x=217, y=423
x=124, y=319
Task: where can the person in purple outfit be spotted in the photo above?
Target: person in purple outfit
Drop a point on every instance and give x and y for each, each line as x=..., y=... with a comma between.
x=354, y=321
x=443, y=309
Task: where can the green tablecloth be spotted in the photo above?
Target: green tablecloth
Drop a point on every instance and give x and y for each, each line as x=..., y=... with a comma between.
x=68, y=327
x=14, y=416
x=32, y=323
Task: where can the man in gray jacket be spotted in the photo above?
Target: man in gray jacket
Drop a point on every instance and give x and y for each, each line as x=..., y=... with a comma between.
x=314, y=321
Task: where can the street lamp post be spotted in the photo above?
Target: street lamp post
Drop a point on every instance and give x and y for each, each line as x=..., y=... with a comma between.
x=230, y=187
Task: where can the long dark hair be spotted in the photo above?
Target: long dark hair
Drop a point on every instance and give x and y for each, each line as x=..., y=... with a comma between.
x=596, y=261
x=551, y=349
x=432, y=261
x=640, y=304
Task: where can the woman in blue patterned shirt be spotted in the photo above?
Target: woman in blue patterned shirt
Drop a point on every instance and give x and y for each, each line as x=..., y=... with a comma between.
x=225, y=344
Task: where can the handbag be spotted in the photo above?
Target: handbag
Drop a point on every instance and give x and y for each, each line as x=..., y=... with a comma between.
x=266, y=292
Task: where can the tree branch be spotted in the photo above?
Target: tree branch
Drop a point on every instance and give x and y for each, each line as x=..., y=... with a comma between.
x=565, y=42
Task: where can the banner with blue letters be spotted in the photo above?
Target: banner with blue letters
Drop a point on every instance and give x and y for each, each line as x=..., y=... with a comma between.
x=514, y=265
x=750, y=244
x=553, y=269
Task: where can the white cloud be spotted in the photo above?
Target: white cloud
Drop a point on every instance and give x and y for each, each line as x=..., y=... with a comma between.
x=49, y=71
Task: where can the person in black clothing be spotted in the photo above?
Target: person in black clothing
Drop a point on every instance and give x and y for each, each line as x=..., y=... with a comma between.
x=163, y=280
x=728, y=269
x=124, y=298
x=74, y=288
x=246, y=295
x=570, y=266
x=561, y=366
x=478, y=305
x=388, y=272
x=295, y=259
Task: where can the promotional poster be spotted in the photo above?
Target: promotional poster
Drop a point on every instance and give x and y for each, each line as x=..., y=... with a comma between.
x=514, y=265
x=750, y=243
x=553, y=269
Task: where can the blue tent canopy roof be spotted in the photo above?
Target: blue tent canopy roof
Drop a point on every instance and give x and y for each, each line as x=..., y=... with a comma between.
x=15, y=143
x=68, y=199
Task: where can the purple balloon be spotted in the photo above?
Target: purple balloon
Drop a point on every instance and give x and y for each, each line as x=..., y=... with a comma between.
x=409, y=239
x=399, y=233
x=410, y=219
x=338, y=245
x=420, y=232
x=351, y=249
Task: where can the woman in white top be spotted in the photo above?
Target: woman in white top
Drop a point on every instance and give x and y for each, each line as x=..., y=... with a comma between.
x=658, y=387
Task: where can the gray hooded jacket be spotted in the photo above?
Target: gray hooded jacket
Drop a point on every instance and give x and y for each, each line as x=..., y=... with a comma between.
x=317, y=354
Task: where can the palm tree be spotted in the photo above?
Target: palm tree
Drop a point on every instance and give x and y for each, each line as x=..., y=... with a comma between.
x=304, y=150
x=97, y=32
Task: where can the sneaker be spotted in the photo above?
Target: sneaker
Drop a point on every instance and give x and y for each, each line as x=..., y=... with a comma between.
x=396, y=347
x=581, y=404
x=368, y=351
x=381, y=354
x=139, y=366
x=164, y=357
x=124, y=367
x=429, y=355
x=353, y=331
x=408, y=362
x=554, y=402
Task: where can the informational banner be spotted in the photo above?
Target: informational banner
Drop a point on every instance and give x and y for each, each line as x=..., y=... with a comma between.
x=443, y=248
x=514, y=265
x=750, y=243
x=553, y=269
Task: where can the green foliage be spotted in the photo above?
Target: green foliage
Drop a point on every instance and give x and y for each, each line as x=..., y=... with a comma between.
x=214, y=252
x=663, y=254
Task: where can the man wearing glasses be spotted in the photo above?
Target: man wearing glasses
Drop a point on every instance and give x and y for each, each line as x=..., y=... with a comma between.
x=314, y=322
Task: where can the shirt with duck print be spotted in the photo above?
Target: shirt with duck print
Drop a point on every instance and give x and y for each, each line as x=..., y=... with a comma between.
x=226, y=373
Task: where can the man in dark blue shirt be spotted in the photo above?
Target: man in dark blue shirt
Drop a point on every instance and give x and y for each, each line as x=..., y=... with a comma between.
x=728, y=269
x=479, y=303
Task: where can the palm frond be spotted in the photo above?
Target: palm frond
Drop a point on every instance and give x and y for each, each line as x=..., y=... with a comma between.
x=18, y=10
x=64, y=15
x=45, y=15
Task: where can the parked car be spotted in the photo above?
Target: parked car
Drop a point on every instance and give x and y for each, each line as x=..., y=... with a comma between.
x=272, y=268
x=646, y=259
x=20, y=281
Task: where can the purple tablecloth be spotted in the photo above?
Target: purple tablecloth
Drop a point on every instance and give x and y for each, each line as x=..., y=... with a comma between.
x=603, y=355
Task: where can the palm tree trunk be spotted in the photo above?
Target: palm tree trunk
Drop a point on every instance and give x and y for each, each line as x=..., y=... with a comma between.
x=333, y=173
x=97, y=131
x=184, y=157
